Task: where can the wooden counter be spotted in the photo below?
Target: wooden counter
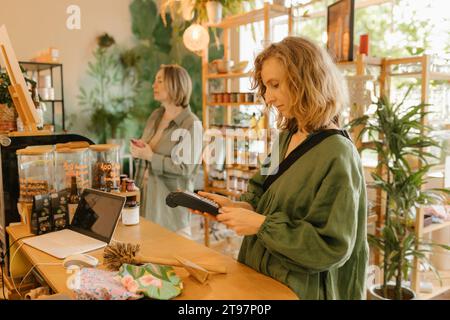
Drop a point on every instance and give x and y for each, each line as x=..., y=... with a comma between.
x=240, y=282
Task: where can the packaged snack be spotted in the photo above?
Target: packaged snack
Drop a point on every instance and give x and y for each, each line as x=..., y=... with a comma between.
x=41, y=216
x=60, y=210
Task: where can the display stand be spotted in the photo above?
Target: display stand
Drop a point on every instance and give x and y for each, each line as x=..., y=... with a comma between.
x=421, y=68
x=18, y=89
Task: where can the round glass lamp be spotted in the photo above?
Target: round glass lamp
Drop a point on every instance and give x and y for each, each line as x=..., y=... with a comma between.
x=196, y=37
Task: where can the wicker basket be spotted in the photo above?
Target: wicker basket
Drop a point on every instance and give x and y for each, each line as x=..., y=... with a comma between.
x=8, y=118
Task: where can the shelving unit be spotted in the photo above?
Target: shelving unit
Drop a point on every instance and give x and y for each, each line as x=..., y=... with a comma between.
x=265, y=14
x=360, y=68
x=438, y=289
x=52, y=69
x=422, y=70
x=233, y=104
x=228, y=75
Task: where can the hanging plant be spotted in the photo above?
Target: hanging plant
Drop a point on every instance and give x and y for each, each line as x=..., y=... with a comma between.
x=185, y=8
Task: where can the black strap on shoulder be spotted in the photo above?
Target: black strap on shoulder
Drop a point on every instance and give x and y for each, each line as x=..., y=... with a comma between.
x=311, y=141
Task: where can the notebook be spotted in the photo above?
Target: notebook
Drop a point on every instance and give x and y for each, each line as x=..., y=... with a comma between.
x=92, y=226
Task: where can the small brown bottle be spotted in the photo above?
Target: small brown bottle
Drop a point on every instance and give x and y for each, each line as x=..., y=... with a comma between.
x=74, y=196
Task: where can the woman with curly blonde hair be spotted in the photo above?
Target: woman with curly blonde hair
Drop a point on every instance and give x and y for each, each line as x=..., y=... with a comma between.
x=305, y=223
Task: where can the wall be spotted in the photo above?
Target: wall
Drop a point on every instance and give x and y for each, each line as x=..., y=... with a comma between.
x=34, y=25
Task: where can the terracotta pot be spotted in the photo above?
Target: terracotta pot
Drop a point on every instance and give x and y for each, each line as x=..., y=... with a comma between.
x=376, y=293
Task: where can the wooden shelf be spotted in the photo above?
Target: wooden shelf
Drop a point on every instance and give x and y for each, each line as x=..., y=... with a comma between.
x=428, y=276
x=433, y=75
x=435, y=226
x=39, y=66
x=264, y=15
x=250, y=17
x=56, y=100
x=242, y=169
x=228, y=75
x=234, y=104
x=223, y=191
x=371, y=61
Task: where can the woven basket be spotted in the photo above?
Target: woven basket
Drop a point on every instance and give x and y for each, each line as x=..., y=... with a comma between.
x=8, y=117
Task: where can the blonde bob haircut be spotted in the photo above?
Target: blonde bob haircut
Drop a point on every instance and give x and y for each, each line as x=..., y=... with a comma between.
x=317, y=89
x=178, y=84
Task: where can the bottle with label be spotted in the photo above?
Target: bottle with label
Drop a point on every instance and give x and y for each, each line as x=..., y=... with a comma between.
x=37, y=104
x=74, y=196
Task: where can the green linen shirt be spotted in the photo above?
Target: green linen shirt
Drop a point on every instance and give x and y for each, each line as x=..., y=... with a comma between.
x=158, y=177
x=314, y=238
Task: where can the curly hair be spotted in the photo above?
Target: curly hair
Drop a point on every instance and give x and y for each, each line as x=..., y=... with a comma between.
x=317, y=89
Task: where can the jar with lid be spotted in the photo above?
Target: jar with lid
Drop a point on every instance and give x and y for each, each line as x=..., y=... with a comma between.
x=105, y=167
x=226, y=97
x=36, y=171
x=71, y=163
x=130, y=212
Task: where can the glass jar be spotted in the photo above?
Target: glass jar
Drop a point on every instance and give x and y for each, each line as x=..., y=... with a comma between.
x=249, y=97
x=105, y=167
x=36, y=171
x=226, y=97
x=72, y=163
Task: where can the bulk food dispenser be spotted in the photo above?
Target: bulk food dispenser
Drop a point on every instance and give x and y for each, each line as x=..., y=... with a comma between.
x=105, y=167
x=36, y=171
x=9, y=172
x=72, y=163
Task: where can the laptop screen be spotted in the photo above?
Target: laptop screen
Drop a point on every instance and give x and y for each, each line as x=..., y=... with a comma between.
x=97, y=214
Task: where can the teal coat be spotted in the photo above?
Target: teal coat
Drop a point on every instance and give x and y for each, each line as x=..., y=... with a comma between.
x=314, y=238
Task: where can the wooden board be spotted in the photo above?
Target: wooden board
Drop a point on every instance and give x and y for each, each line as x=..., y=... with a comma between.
x=18, y=89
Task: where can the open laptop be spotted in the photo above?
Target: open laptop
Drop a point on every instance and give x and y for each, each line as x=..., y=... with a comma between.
x=92, y=226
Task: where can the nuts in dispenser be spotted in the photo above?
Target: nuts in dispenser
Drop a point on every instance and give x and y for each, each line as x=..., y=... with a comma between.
x=105, y=167
x=36, y=171
x=71, y=163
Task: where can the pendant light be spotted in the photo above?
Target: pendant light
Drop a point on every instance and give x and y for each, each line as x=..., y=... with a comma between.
x=196, y=37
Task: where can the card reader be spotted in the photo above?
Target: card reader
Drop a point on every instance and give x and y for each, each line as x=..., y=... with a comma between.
x=192, y=201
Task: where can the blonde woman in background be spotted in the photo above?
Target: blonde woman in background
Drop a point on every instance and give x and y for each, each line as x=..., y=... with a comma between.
x=306, y=228
x=159, y=170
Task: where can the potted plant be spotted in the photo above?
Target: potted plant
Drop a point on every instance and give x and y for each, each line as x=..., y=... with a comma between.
x=399, y=138
x=111, y=98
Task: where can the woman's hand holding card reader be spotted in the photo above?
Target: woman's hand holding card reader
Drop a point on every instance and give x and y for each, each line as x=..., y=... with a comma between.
x=192, y=201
